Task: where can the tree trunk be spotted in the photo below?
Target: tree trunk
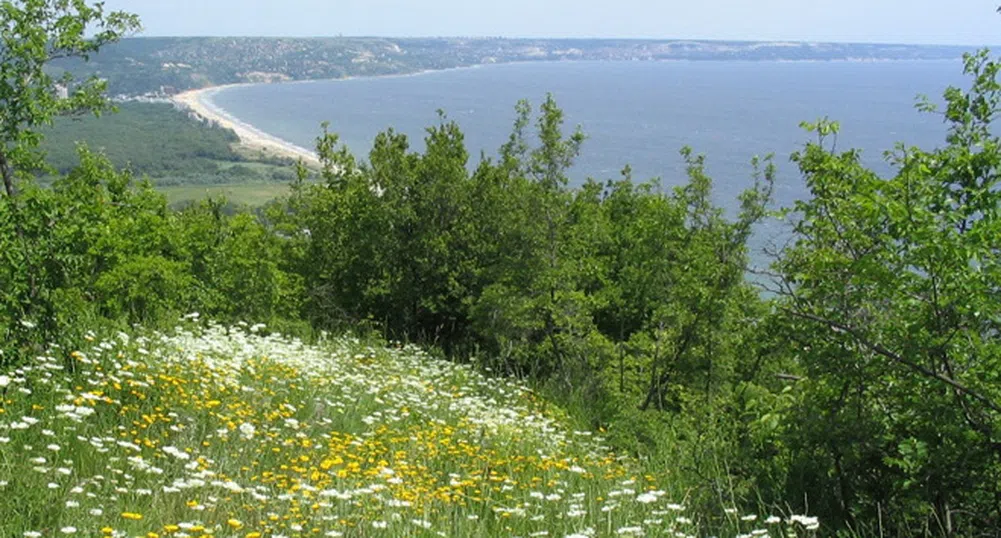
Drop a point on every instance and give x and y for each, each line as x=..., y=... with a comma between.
x=7, y=172
x=8, y=175
x=655, y=393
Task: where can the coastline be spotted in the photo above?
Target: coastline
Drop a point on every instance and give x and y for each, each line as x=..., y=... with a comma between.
x=199, y=102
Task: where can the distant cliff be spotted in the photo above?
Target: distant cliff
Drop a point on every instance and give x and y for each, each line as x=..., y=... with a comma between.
x=166, y=65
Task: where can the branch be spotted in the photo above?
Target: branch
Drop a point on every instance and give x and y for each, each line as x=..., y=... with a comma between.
x=880, y=350
x=788, y=377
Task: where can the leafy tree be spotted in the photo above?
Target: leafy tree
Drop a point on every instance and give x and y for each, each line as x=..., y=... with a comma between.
x=33, y=33
x=89, y=223
x=388, y=241
x=234, y=262
x=534, y=312
x=891, y=296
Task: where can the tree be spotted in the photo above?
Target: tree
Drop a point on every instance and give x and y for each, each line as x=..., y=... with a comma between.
x=892, y=299
x=33, y=33
x=535, y=313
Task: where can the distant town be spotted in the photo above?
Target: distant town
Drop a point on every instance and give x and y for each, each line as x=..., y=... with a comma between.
x=155, y=68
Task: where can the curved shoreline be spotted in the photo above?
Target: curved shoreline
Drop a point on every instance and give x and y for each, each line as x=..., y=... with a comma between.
x=199, y=102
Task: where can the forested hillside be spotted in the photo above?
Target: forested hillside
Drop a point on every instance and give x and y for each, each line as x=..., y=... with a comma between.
x=184, y=157
x=859, y=396
x=159, y=141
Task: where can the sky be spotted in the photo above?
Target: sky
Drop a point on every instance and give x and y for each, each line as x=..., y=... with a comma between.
x=959, y=22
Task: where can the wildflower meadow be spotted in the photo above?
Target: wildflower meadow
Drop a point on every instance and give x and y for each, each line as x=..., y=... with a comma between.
x=229, y=432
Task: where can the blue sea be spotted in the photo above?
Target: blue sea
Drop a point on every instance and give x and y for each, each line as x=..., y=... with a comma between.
x=635, y=113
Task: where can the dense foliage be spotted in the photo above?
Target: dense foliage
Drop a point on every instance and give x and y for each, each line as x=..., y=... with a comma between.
x=891, y=300
x=863, y=389
x=98, y=244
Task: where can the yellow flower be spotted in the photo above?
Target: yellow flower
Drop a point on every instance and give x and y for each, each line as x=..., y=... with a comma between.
x=132, y=515
x=171, y=528
x=107, y=530
x=235, y=523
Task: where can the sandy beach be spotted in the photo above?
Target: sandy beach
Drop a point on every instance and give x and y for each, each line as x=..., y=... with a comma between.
x=200, y=103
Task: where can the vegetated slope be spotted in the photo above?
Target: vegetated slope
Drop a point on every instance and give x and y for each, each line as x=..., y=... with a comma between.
x=227, y=432
x=161, y=142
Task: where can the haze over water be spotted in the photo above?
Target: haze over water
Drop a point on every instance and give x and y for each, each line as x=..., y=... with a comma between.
x=636, y=113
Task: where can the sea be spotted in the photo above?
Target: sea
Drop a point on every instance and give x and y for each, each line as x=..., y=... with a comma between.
x=634, y=113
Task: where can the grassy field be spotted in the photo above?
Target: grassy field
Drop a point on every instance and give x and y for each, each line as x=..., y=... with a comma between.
x=252, y=194
x=225, y=432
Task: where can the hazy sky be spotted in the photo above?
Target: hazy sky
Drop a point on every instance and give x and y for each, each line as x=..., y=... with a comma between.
x=965, y=22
